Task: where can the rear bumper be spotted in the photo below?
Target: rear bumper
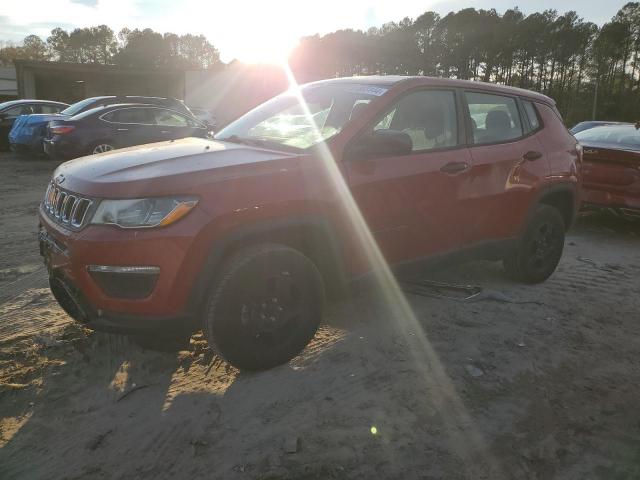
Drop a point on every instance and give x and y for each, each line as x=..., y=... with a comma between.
x=25, y=148
x=56, y=148
x=610, y=199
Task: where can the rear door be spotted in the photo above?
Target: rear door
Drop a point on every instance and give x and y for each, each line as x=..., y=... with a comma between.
x=414, y=204
x=508, y=164
x=173, y=125
x=131, y=126
x=48, y=108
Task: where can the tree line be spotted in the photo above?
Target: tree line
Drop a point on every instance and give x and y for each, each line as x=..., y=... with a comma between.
x=588, y=70
x=134, y=48
x=560, y=55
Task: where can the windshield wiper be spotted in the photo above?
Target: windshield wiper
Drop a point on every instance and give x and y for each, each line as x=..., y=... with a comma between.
x=232, y=139
x=258, y=142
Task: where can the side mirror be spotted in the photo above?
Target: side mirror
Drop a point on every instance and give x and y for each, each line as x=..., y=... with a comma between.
x=380, y=143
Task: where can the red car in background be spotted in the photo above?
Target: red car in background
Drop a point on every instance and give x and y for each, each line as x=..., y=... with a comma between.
x=611, y=170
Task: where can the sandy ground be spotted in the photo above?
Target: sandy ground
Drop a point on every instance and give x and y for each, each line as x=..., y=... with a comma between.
x=525, y=382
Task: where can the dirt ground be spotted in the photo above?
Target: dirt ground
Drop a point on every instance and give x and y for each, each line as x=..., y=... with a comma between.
x=523, y=382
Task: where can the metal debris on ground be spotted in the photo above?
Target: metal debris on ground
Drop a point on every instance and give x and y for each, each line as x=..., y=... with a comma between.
x=450, y=291
x=291, y=444
x=134, y=388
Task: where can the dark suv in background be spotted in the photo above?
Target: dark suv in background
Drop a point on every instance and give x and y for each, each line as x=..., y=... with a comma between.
x=109, y=127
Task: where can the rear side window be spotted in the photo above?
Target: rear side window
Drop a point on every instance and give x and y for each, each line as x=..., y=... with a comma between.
x=532, y=115
x=427, y=116
x=494, y=118
x=129, y=115
x=48, y=108
x=168, y=118
x=18, y=110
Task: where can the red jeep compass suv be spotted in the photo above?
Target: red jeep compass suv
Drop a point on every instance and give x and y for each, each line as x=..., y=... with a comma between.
x=244, y=235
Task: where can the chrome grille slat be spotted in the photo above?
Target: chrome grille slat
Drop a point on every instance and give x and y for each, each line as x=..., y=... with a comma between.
x=66, y=208
x=80, y=213
x=59, y=201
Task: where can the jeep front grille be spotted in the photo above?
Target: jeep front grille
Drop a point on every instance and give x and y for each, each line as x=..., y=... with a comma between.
x=66, y=208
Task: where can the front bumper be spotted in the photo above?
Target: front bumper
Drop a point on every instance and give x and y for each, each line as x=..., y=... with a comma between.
x=76, y=306
x=174, y=250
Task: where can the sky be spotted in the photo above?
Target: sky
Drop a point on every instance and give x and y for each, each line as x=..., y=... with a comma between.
x=253, y=30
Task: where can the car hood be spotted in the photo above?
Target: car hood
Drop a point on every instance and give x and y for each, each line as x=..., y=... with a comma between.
x=165, y=168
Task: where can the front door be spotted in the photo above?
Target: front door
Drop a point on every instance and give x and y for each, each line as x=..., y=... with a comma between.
x=414, y=204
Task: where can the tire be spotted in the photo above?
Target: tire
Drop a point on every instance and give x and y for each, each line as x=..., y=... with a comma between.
x=101, y=147
x=538, y=251
x=265, y=307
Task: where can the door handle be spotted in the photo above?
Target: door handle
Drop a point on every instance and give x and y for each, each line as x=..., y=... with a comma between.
x=455, y=167
x=532, y=155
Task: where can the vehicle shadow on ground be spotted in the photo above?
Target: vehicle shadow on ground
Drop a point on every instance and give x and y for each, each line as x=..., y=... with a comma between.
x=363, y=400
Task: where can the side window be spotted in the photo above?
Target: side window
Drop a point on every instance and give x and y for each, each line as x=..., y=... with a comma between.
x=48, y=108
x=168, y=118
x=129, y=115
x=427, y=116
x=18, y=110
x=532, y=115
x=494, y=118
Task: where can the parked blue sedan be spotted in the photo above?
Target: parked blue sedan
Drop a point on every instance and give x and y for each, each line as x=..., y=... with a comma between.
x=29, y=131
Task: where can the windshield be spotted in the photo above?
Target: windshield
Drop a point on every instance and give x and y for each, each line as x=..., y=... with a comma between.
x=283, y=121
x=78, y=106
x=621, y=136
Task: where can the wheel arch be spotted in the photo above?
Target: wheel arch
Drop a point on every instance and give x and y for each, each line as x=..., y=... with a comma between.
x=564, y=197
x=314, y=236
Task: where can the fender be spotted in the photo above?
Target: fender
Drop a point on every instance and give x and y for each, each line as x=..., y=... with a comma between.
x=320, y=243
x=571, y=188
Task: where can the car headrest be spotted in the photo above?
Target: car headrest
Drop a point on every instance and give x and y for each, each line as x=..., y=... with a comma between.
x=357, y=110
x=497, y=120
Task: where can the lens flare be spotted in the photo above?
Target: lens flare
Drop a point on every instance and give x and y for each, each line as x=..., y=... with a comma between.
x=466, y=440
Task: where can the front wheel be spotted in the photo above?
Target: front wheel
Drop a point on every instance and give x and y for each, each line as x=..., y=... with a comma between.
x=264, y=307
x=538, y=251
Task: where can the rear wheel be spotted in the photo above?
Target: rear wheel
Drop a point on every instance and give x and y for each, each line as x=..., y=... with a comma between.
x=539, y=250
x=102, y=147
x=265, y=306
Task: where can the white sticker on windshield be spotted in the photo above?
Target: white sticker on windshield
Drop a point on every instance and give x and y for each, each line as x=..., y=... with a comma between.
x=367, y=90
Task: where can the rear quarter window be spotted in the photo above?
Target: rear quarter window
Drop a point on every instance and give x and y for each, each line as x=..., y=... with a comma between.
x=532, y=115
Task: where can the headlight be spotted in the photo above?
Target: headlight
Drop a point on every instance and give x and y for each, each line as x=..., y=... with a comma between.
x=143, y=212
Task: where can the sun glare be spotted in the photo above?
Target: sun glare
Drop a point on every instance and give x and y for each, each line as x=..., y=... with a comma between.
x=273, y=49
x=467, y=441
